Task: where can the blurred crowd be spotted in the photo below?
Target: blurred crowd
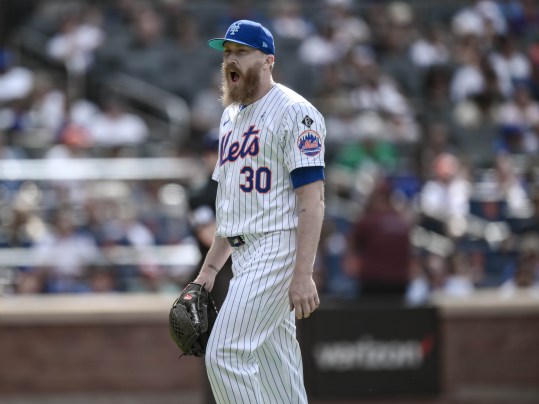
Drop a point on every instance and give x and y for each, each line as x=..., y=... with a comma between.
x=432, y=113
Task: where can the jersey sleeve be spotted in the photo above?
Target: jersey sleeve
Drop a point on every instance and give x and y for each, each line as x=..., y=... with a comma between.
x=304, y=134
x=215, y=175
x=224, y=119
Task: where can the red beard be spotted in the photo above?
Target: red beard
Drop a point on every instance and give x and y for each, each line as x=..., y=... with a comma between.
x=244, y=89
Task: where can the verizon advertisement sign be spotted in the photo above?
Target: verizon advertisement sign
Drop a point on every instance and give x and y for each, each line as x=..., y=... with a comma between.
x=363, y=350
x=368, y=353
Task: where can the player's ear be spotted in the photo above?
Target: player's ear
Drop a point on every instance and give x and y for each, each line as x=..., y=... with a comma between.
x=270, y=60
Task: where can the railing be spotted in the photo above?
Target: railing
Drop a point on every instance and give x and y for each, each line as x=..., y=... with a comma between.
x=177, y=259
x=181, y=169
x=174, y=108
x=181, y=255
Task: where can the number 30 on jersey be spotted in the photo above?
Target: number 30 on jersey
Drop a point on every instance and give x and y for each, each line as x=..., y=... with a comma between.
x=259, y=179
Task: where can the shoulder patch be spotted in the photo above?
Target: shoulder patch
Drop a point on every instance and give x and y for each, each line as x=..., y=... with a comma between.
x=309, y=143
x=307, y=121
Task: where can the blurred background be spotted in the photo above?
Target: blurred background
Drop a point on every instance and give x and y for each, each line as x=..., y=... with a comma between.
x=108, y=112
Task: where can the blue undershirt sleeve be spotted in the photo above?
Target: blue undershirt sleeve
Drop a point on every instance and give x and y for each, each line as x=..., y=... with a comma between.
x=305, y=175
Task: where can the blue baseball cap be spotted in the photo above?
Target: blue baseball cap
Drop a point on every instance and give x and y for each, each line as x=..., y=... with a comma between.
x=248, y=33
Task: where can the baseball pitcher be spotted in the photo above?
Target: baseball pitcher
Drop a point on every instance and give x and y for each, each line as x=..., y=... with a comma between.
x=269, y=208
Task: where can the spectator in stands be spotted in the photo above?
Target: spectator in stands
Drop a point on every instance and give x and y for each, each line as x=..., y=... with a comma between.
x=474, y=75
x=522, y=17
x=369, y=146
x=22, y=226
x=430, y=49
x=530, y=226
x=444, y=199
x=393, y=47
x=126, y=229
x=399, y=35
x=362, y=154
x=144, y=52
x=181, y=78
x=380, y=242
x=401, y=15
x=174, y=11
x=115, y=126
x=28, y=282
x=481, y=18
x=523, y=111
x=50, y=109
x=509, y=63
x=525, y=276
x=65, y=255
x=380, y=93
x=435, y=266
x=321, y=48
x=16, y=81
x=511, y=139
x=420, y=287
x=434, y=94
x=74, y=142
x=448, y=272
x=186, y=33
x=510, y=186
x=45, y=112
x=39, y=120
x=475, y=131
x=78, y=36
x=459, y=281
x=334, y=271
x=436, y=140
x=240, y=10
x=512, y=12
x=289, y=22
x=147, y=28
x=349, y=27
x=102, y=280
x=476, y=94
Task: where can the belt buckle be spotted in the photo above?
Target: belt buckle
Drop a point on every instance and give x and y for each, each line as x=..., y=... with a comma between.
x=236, y=241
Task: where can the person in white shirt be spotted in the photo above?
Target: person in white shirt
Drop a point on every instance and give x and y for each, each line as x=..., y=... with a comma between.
x=446, y=196
x=75, y=42
x=117, y=127
x=16, y=82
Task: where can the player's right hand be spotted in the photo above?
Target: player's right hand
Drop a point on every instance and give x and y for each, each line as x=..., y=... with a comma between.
x=303, y=296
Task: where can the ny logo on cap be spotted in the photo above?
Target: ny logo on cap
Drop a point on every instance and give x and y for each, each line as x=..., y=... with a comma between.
x=234, y=28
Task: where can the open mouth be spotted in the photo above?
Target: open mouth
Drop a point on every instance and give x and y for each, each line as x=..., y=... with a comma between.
x=234, y=76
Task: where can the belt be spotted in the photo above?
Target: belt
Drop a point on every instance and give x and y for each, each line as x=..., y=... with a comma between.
x=236, y=241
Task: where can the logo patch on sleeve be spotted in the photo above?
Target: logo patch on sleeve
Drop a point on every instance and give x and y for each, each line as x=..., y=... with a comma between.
x=309, y=143
x=307, y=121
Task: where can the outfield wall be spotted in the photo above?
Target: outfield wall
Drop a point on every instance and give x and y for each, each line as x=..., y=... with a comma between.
x=487, y=347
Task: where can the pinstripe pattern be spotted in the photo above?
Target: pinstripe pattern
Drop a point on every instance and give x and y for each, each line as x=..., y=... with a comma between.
x=253, y=355
x=278, y=119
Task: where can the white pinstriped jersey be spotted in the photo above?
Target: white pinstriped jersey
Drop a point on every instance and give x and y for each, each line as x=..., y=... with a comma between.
x=260, y=144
